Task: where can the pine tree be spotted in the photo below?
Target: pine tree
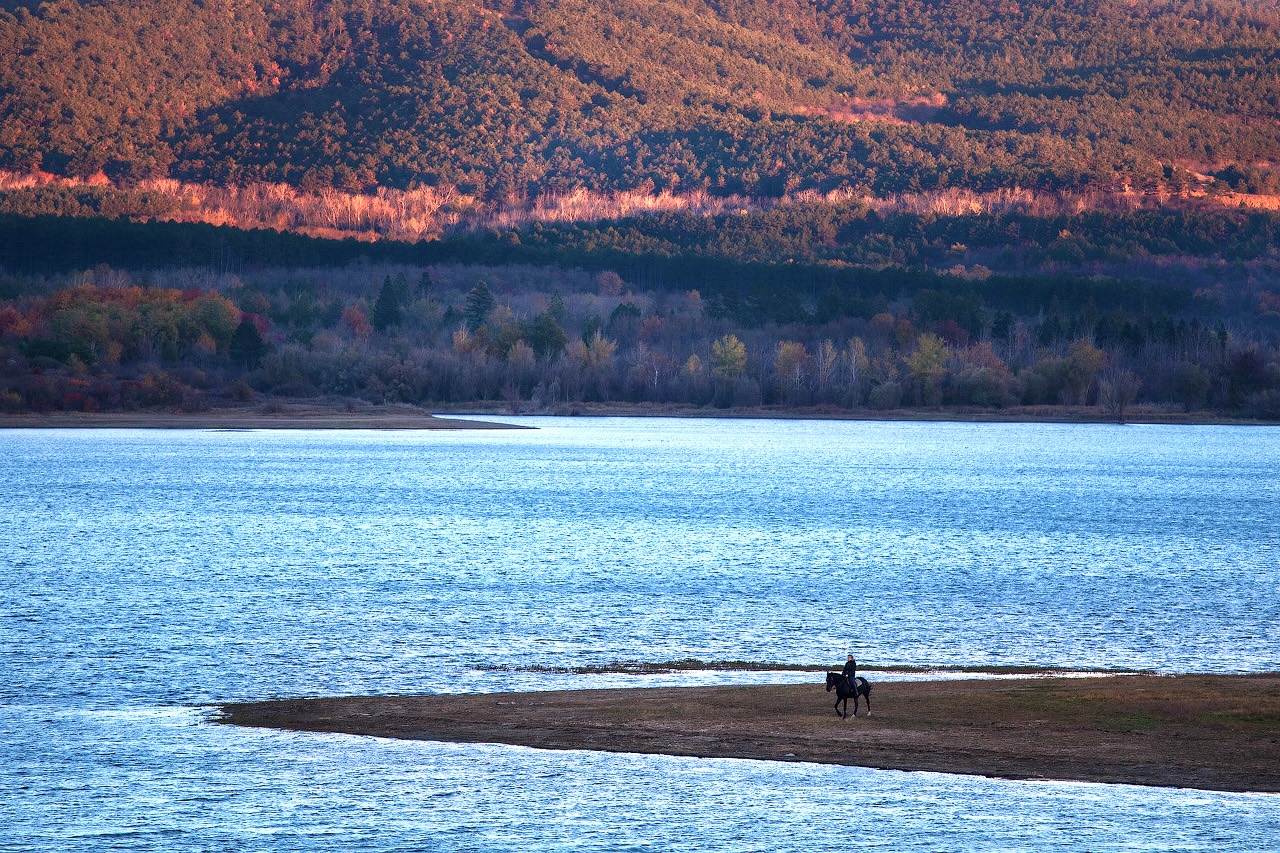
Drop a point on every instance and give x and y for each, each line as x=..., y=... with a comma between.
x=544, y=334
x=480, y=302
x=247, y=346
x=387, y=311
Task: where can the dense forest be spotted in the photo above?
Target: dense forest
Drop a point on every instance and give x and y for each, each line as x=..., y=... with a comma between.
x=510, y=99
x=433, y=324
x=716, y=203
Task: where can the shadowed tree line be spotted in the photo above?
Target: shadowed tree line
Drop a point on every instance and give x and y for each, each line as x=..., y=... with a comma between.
x=751, y=292
x=546, y=338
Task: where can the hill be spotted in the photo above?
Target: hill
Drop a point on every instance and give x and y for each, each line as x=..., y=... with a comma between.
x=972, y=204
x=508, y=99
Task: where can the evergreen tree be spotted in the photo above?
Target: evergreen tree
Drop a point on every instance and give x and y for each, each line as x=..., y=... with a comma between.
x=247, y=346
x=544, y=335
x=556, y=307
x=480, y=302
x=387, y=310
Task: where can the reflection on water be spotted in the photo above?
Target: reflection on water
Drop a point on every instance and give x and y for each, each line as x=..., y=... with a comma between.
x=152, y=572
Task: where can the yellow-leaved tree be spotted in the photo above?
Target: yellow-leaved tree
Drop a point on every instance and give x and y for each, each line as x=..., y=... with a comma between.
x=927, y=364
x=728, y=357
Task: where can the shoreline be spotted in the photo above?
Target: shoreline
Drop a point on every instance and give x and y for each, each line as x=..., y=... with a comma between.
x=332, y=415
x=1138, y=415
x=247, y=419
x=1209, y=732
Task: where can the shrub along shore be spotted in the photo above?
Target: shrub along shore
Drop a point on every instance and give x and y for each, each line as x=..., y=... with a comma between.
x=1211, y=732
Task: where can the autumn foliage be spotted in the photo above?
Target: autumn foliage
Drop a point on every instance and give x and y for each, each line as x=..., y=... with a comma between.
x=549, y=339
x=82, y=343
x=506, y=102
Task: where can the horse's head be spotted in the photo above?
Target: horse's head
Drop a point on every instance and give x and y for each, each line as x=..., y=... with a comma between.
x=833, y=678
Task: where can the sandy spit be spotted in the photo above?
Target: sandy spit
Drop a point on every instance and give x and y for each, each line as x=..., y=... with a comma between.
x=1196, y=731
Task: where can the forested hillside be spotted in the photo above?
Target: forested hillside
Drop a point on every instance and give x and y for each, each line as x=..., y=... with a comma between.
x=791, y=203
x=195, y=317
x=510, y=99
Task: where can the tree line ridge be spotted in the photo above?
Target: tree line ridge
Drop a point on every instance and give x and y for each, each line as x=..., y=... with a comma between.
x=720, y=203
x=512, y=99
x=546, y=330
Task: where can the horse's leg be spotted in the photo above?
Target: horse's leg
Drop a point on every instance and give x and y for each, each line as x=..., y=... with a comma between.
x=868, y=697
x=840, y=699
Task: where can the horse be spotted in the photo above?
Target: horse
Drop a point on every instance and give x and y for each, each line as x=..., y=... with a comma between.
x=844, y=690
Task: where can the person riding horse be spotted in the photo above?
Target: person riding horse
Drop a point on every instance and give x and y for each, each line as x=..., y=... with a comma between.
x=850, y=671
x=849, y=685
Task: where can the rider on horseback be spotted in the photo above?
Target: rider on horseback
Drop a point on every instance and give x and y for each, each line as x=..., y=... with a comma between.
x=849, y=685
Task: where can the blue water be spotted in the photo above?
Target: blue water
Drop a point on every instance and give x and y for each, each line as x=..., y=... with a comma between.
x=150, y=575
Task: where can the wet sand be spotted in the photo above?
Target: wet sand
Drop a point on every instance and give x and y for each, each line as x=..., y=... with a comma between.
x=1194, y=731
x=245, y=419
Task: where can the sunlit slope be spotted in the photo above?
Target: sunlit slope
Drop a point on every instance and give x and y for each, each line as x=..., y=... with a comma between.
x=510, y=99
x=109, y=83
x=684, y=54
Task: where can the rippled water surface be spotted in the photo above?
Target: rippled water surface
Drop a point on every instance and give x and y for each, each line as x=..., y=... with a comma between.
x=152, y=574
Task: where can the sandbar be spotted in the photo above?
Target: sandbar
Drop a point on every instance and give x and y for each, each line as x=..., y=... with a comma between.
x=246, y=419
x=1211, y=732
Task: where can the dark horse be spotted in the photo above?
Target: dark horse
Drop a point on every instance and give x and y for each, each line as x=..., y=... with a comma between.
x=845, y=691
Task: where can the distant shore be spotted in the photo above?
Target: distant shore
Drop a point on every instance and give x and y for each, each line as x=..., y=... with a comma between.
x=1195, y=731
x=325, y=414
x=291, y=417
x=1013, y=414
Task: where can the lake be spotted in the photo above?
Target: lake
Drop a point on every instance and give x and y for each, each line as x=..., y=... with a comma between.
x=151, y=575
